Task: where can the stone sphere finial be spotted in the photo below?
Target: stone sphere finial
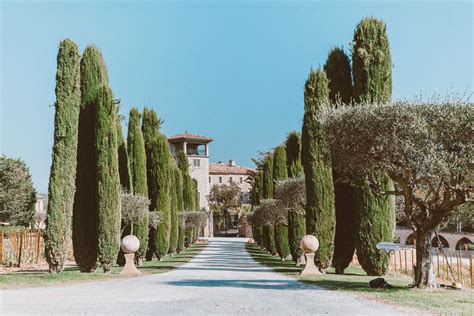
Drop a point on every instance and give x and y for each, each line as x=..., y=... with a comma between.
x=309, y=244
x=130, y=244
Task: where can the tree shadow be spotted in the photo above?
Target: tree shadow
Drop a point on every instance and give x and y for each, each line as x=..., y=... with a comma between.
x=284, y=285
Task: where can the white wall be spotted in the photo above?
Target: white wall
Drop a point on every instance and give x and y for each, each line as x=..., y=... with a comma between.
x=201, y=175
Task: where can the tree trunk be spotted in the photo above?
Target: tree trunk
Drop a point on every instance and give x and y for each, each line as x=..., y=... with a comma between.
x=423, y=257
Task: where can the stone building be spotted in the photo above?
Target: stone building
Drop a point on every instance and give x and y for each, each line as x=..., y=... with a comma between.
x=207, y=174
x=224, y=173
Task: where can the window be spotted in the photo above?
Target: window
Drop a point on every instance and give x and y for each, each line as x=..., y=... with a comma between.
x=220, y=179
x=241, y=180
x=230, y=179
x=197, y=163
x=209, y=179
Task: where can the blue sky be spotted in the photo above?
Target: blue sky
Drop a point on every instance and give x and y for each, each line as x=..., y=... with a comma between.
x=231, y=70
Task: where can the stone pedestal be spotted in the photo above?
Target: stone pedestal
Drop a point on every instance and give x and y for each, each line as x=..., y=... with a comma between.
x=310, y=268
x=129, y=269
x=301, y=260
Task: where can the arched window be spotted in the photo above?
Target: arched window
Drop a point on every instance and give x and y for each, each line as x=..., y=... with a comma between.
x=463, y=241
x=444, y=242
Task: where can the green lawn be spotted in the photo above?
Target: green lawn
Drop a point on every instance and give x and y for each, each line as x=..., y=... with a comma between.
x=440, y=301
x=72, y=274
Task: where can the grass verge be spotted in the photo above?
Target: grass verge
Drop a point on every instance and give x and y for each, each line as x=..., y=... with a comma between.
x=439, y=301
x=32, y=278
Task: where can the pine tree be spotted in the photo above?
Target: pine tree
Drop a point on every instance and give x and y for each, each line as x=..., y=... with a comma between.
x=372, y=73
x=137, y=157
x=108, y=180
x=85, y=217
x=160, y=199
x=315, y=156
x=150, y=130
x=338, y=70
x=63, y=168
x=296, y=218
x=280, y=172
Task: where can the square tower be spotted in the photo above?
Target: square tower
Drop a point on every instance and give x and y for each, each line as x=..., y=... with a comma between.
x=196, y=148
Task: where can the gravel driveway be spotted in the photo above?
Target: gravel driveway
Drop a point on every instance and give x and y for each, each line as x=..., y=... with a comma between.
x=222, y=279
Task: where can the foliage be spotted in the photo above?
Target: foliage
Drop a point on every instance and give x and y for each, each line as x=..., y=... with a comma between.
x=134, y=209
x=293, y=155
x=223, y=197
x=63, y=168
x=17, y=194
x=108, y=180
x=150, y=129
x=316, y=159
x=160, y=197
x=176, y=205
x=85, y=216
x=267, y=177
x=279, y=165
x=188, y=195
x=372, y=74
x=426, y=149
x=137, y=159
x=123, y=159
x=281, y=241
x=338, y=71
x=371, y=62
x=291, y=196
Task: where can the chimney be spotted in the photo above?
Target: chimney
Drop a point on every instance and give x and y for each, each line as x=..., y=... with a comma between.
x=232, y=163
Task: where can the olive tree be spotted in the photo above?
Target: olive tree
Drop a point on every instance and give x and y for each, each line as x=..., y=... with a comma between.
x=427, y=150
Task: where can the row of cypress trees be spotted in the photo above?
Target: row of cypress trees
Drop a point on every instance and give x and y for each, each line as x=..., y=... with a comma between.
x=344, y=218
x=92, y=162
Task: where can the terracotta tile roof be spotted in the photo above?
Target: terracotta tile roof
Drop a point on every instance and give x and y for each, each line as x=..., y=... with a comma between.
x=223, y=168
x=189, y=137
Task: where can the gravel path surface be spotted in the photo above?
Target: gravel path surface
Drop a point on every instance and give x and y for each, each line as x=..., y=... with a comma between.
x=222, y=279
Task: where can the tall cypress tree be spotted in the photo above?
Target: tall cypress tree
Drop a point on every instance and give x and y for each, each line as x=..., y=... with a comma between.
x=85, y=217
x=63, y=168
x=188, y=192
x=123, y=159
x=280, y=173
x=338, y=70
x=137, y=156
x=160, y=199
x=196, y=195
x=108, y=179
x=293, y=152
x=316, y=159
x=372, y=73
x=150, y=130
x=296, y=218
x=176, y=186
x=267, y=193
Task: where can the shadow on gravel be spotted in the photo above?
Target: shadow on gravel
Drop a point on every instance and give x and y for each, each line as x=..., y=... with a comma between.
x=284, y=285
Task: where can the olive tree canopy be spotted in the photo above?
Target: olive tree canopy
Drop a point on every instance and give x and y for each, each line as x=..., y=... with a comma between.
x=426, y=148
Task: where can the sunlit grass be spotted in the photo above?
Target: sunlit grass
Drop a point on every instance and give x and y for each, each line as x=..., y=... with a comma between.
x=72, y=274
x=439, y=301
